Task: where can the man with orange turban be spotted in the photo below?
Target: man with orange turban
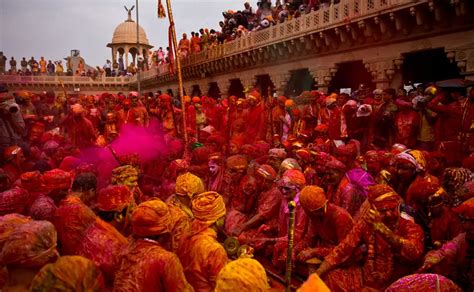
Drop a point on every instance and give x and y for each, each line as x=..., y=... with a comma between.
x=147, y=264
x=256, y=118
x=444, y=224
x=115, y=204
x=393, y=244
x=454, y=258
x=278, y=114
x=200, y=253
x=328, y=224
x=236, y=168
x=80, y=131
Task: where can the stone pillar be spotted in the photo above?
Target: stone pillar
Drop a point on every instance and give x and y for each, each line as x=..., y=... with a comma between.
x=224, y=85
x=280, y=80
x=382, y=71
x=322, y=76
x=114, y=55
x=203, y=86
x=126, y=52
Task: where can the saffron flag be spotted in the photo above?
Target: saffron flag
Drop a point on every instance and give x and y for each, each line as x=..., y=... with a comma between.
x=161, y=10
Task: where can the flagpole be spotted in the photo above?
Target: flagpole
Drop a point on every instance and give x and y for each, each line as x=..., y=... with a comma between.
x=139, y=89
x=178, y=64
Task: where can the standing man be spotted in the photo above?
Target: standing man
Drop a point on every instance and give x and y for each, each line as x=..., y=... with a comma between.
x=42, y=64
x=184, y=46
x=108, y=68
x=24, y=65
x=50, y=68
x=3, y=61
x=13, y=66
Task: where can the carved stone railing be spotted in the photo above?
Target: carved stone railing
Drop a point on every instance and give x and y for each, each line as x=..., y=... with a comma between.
x=344, y=12
x=67, y=80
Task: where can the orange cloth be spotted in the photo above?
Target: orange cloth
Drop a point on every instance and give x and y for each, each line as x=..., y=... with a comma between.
x=202, y=257
x=312, y=198
x=267, y=172
x=208, y=206
x=313, y=284
x=466, y=209
x=151, y=218
x=294, y=176
x=236, y=161
x=243, y=274
x=180, y=224
x=71, y=220
x=382, y=195
x=57, y=179
x=147, y=266
x=114, y=198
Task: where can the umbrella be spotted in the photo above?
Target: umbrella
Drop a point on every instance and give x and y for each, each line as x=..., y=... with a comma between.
x=455, y=83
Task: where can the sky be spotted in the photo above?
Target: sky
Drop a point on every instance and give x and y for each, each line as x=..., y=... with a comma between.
x=51, y=28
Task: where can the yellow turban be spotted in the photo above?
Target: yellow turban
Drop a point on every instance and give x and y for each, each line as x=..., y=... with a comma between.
x=189, y=184
x=208, y=206
x=151, y=218
x=69, y=273
x=121, y=174
x=243, y=274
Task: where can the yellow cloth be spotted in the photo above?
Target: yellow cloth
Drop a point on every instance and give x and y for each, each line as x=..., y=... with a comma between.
x=69, y=273
x=243, y=275
x=189, y=184
x=426, y=130
x=125, y=175
x=314, y=284
x=208, y=206
x=151, y=218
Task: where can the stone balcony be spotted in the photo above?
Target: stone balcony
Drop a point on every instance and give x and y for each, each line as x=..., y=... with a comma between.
x=320, y=30
x=70, y=83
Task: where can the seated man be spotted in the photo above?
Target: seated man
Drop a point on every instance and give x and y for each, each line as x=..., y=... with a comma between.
x=393, y=244
x=328, y=225
x=268, y=205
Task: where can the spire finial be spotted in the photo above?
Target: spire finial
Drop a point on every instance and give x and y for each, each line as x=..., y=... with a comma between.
x=129, y=11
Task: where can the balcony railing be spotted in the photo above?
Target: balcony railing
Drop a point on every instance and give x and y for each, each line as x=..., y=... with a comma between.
x=344, y=12
x=44, y=79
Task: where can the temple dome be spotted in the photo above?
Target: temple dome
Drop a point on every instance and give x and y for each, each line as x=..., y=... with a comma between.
x=126, y=33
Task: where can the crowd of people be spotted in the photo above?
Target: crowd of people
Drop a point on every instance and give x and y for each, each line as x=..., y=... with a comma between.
x=239, y=23
x=376, y=189
x=41, y=67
